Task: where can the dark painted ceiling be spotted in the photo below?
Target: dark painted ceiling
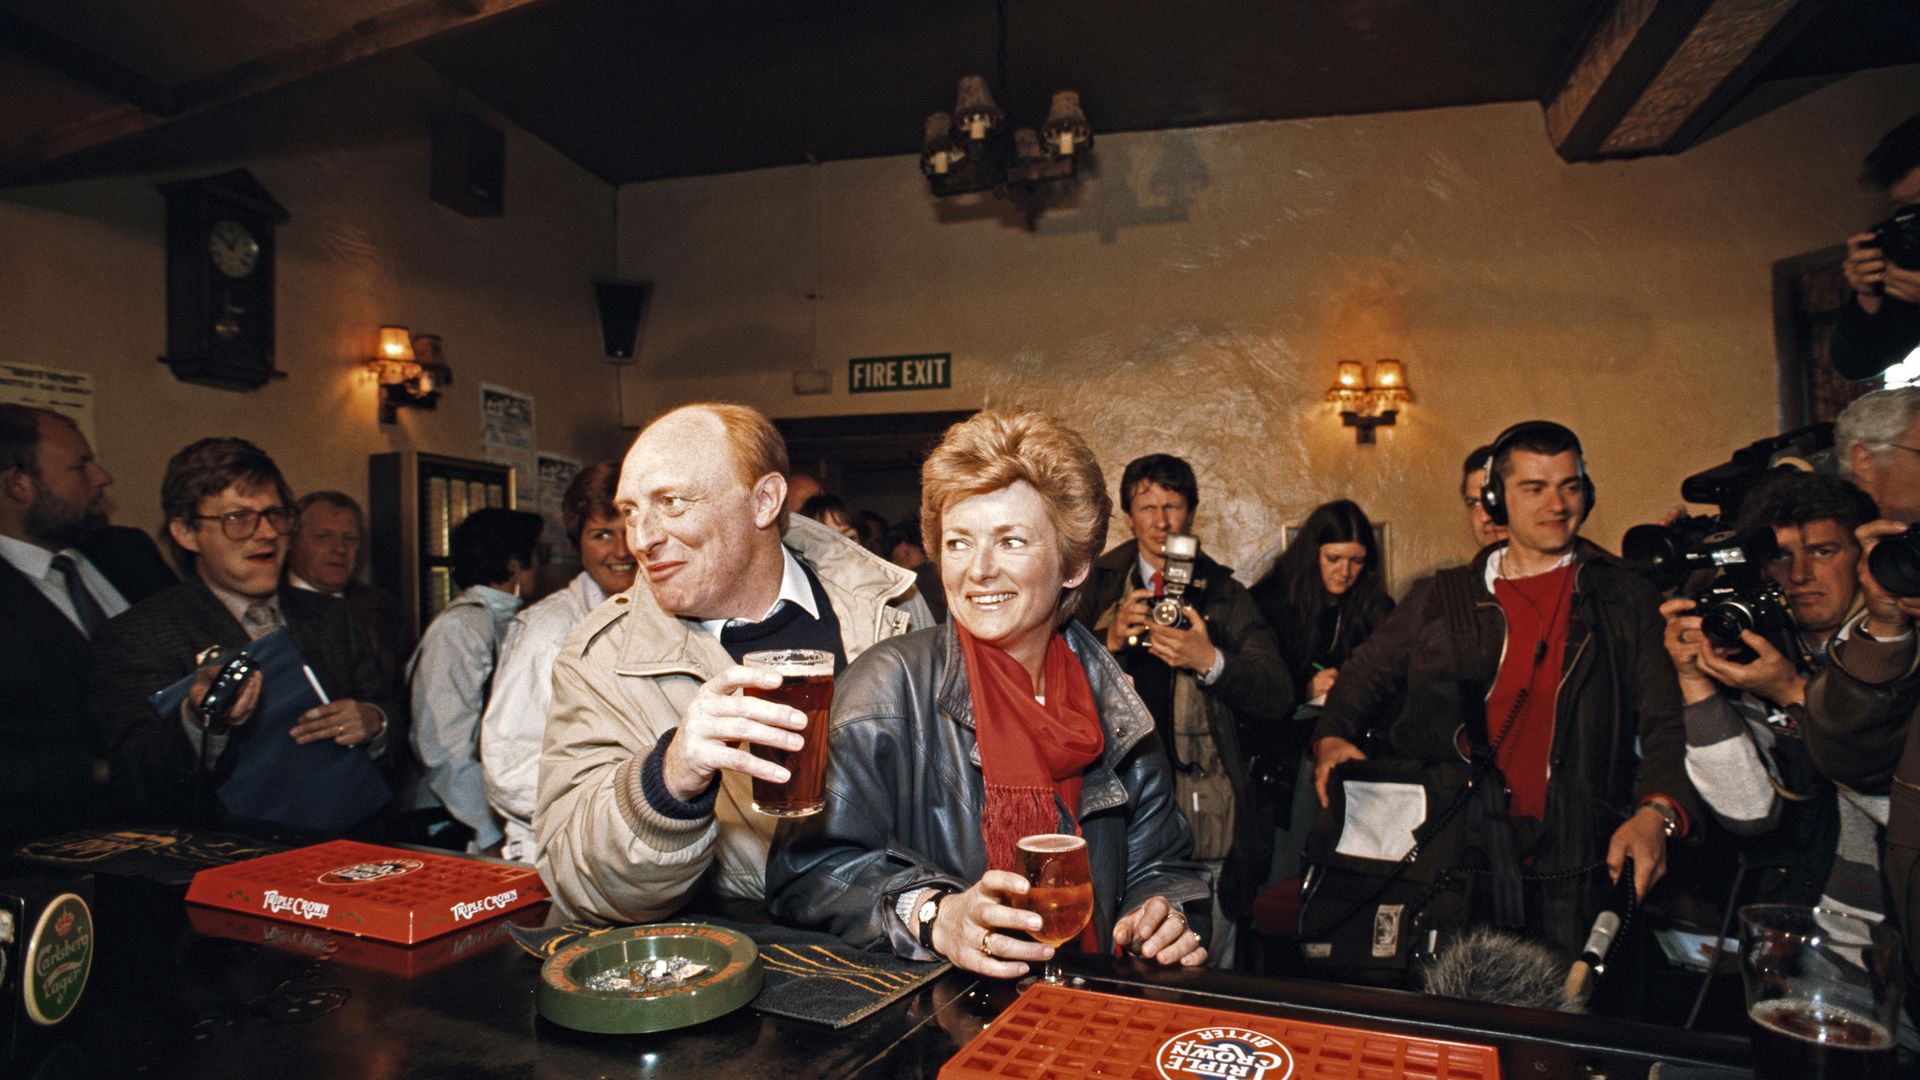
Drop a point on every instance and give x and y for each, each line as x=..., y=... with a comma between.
x=638, y=90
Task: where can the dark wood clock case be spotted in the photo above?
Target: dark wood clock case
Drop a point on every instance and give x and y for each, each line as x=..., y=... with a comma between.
x=239, y=355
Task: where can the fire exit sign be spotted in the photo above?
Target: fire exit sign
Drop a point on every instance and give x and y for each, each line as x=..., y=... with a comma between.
x=922, y=371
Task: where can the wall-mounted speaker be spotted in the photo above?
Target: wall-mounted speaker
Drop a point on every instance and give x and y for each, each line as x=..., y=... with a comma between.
x=622, y=305
x=469, y=165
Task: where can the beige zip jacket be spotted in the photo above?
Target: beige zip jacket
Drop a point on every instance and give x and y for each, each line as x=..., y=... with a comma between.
x=622, y=681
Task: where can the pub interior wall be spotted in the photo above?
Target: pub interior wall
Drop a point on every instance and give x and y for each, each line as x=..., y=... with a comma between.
x=82, y=287
x=1196, y=294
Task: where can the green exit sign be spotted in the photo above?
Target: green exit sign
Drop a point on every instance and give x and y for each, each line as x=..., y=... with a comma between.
x=923, y=371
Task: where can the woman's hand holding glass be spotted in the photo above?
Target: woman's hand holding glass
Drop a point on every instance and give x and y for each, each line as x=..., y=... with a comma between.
x=1157, y=930
x=979, y=930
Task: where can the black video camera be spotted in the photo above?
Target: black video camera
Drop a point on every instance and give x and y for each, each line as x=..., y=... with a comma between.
x=1898, y=237
x=1733, y=593
x=1169, y=609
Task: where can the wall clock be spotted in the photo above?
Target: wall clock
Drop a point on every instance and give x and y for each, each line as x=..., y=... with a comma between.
x=220, y=275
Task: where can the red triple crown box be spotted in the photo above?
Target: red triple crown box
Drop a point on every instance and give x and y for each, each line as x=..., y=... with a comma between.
x=392, y=894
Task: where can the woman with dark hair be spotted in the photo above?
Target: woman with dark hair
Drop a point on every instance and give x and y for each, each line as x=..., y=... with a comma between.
x=1324, y=595
x=496, y=562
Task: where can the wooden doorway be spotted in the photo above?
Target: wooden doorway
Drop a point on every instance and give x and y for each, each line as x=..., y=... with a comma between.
x=870, y=460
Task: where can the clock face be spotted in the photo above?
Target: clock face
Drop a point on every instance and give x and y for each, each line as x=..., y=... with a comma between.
x=235, y=252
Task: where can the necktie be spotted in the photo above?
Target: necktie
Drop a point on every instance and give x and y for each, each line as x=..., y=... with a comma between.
x=259, y=619
x=738, y=631
x=1159, y=583
x=92, y=618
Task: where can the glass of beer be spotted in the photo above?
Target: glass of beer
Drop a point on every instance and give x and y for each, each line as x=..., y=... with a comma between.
x=1823, y=992
x=806, y=684
x=1060, y=888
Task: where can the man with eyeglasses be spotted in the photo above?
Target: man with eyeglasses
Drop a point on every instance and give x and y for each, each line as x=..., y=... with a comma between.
x=64, y=570
x=1860, y=709
x=229, y=514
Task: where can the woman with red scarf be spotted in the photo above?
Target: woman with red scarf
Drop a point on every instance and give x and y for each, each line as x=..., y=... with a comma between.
x=949, y=745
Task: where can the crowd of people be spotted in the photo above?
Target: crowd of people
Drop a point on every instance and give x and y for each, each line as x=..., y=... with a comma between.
x=1000, y=672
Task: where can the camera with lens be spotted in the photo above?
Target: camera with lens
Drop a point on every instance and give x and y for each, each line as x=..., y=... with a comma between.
x=1169, y=608
x=1732, y=593
x=1898, y=237
x=1895, y=562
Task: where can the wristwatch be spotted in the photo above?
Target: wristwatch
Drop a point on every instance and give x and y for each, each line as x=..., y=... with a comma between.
x=929, y=911
x=1669, y=818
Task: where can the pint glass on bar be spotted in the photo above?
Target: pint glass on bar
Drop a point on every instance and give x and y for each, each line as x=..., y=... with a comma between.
x=1060, y=888
x=806, y=684
x=1823, y=993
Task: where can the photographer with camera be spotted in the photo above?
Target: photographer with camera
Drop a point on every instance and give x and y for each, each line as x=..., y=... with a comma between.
x=1208, y=668
x=1860, y=707
x=1746, y=695
x=1543, y=657
x=1880, y=326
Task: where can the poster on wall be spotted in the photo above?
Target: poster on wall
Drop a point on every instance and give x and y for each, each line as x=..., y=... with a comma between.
x=69, y=393
x=556, y=473
x=506, y=438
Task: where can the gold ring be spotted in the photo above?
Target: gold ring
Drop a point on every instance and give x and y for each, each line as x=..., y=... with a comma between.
x=986, y=943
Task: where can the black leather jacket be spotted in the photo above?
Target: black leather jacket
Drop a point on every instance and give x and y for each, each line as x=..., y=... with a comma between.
x=1617, y=691
x=904, y=800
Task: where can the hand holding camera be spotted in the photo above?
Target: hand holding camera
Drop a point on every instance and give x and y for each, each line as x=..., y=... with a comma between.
x=1890, y=576
x=224, y=692
x=1183, y=644
x=1885, y=260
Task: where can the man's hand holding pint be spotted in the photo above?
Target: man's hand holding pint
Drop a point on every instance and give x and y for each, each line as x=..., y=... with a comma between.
x=720, y=720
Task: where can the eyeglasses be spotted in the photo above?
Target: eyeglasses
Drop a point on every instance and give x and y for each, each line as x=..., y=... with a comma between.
x=1897, y=446
x=242, y=524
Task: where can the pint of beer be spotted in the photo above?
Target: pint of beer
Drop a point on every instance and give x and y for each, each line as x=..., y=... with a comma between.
x=1060, y=888
x=807, y=685
x=1823, y=993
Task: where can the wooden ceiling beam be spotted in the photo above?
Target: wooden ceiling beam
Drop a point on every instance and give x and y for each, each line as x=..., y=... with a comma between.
x=1654, y=75
x=401, y=27
x=82, y=65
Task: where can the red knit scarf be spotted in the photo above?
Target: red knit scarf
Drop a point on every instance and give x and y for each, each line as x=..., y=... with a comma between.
x=1029, y=752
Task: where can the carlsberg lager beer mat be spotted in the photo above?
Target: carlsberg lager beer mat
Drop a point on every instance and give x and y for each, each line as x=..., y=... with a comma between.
x=371, y=891
x=1061, y=1033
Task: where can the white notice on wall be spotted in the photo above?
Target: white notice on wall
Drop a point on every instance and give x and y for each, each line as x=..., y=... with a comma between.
x=556, y=474
x=69, y=393
x=506, y=438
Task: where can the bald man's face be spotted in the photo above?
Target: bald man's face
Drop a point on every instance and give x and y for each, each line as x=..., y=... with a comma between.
x=696, y=528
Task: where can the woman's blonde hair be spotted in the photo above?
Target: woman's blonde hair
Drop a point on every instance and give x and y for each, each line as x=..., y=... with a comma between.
x=992, y=450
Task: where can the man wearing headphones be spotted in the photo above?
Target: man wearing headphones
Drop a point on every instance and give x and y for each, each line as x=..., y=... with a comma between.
x=1547, y=653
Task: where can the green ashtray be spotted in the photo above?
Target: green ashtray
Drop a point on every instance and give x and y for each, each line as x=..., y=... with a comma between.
x=731, y=980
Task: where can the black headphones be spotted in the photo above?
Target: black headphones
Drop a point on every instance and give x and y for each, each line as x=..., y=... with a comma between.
x=1493, y=490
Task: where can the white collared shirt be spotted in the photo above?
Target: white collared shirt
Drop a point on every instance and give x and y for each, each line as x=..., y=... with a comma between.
x=793, y=587
x=36, y=563
x=1497, y=561
x=299, y=582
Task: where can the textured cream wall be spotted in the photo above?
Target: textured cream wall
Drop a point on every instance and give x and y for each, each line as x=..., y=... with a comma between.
x=82, y=286
x=1196, y=295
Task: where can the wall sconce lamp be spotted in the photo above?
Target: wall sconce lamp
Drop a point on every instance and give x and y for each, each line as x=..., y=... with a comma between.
x=1365, y=405
x=411, y=370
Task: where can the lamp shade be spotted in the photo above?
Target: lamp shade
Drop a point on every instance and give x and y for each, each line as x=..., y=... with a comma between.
x=974, y=107
x=1388, y=375
x=1066, y=127
x=394, y=345
x=1352, y=375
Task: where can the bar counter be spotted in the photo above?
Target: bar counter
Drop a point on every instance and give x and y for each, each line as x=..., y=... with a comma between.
x=173, y=996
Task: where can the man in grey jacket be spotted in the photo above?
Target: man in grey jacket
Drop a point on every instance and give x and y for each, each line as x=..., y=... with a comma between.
x=645, y=788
